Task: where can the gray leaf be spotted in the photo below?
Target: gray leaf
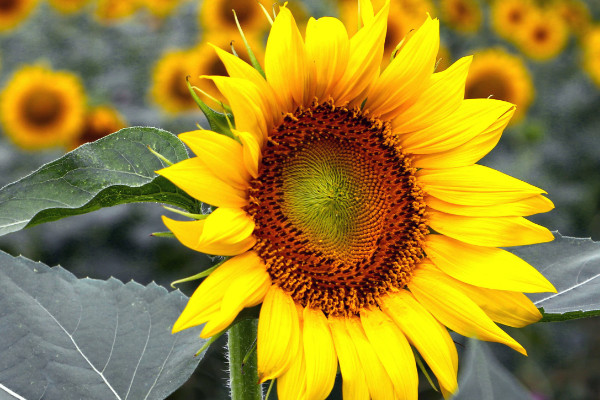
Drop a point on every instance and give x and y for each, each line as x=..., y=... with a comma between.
x=65, y=338
x=573, y=266
x=484, y=378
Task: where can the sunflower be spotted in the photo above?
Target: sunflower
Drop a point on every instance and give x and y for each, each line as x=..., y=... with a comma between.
x=161, y=8
x=13, y=12
x=110, y=11
x=576, y=15
x=544, y=34
x=591, y=54
x=99, y=122
x=68, y=6
x=351, y=206
x=503, y=76
x=217, y=15
x=461, y=15
x=169, y=89
x=40, y=108
x=508, y=16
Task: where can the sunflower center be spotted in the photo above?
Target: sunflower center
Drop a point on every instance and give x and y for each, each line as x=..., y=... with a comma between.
x=489, y=84
x=339, y=216
x=42, y=107
x=8, y=5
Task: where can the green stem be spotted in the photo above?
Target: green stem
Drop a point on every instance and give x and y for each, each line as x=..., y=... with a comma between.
x=243, y=378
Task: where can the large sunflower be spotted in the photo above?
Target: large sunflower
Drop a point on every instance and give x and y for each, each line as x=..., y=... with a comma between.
x=353, y=210
x=41, y=108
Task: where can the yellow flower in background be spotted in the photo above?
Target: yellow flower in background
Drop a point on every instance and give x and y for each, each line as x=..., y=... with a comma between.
x=591, y=54
x=508, y=17
x=444, y=58
x=99, y=121
x=69, y=6
x=405, y=16
x=41, y=108
x=544, y=34
x=169, y=89
x=576, y=15
x=461, y=15
x=13, y=12
x=111, y=11
x=350, y=202
x=217, y=15
x=503, y=76
x=209, y=63
x=161, y=8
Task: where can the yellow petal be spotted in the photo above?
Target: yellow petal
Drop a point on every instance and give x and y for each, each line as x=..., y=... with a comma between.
x=246, y=289
x=426, y=334
x=408, y=74
x=469, y=152
x=247, y=104
x=251, y=153
x=435, y=291
x=443, y=95
x=328, y=47
x=502, y=306
x=286, y=65
x=291, y=385
x=197, y=180
x=529, y=206
x=488, y=267
x=278, y=334
x=354, y=384
x=238, y=68
x=474, y=185
x=221, y=154
x=208, y=296
x=489, y=232
x=366, y=52
x=226, y=232
x=472, y=117
x=378, y=381
x=367, y=13
x=321, y=360
x=393, y=350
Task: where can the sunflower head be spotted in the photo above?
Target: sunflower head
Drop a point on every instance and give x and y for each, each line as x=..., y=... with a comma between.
x=42, y=108
x=13, y=12
x=68, y=6
x=544, y=34
x=349, y=200
x=508, y=16
x=462, y=15
x=591, y=54
x=99, y=122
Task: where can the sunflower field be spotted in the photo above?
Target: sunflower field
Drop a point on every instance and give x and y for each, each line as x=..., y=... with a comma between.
x=311, y=199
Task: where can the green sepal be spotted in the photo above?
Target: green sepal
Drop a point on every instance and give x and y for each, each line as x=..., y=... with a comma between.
x=218, y=121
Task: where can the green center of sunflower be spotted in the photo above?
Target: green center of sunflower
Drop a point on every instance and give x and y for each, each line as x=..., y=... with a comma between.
x=339, y=216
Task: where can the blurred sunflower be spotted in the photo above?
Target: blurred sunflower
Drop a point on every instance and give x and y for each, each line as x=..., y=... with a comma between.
x=352, y=207
x=461, y=15
x=13, y=12
x=576, y=15
x=111, y=11
x=444, y=58
x=508, y=17
x=69, y=6
x=99, y=121
x=405, y=16
x=544, y=34
x=169, y=89
x=41, y=108
x=503, y=76
x=591, y=54
x=160, y=8
x=217, y=15
x=209, y=62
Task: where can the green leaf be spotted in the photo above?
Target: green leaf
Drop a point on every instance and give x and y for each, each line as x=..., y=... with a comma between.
x=67, y=338
x=482, y=377
x=573, y=266
x=116, y=169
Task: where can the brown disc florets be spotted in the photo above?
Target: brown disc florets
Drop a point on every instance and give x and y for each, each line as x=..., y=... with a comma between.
x=339, y=215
